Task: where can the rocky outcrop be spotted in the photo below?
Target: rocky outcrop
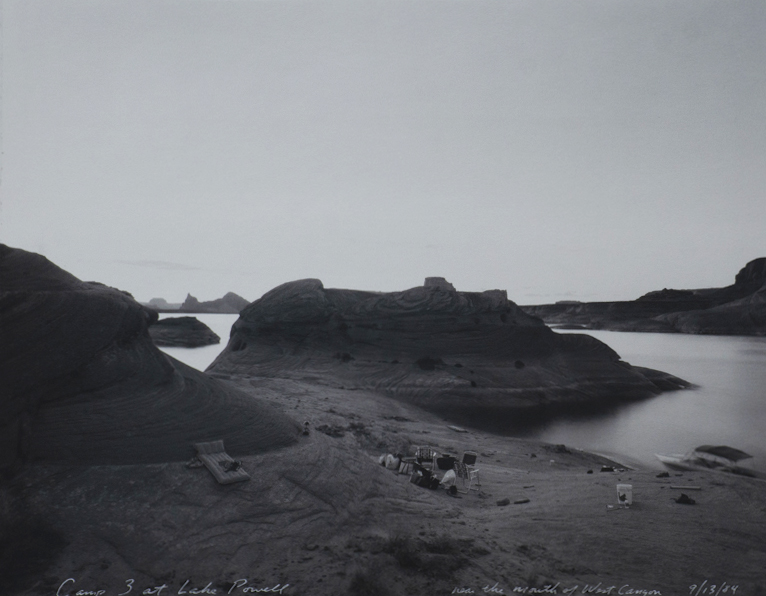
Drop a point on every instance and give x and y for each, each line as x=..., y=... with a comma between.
x=183, y=332
x=82, y=381
x=229, y=304
x=466, y=354
x=738, y=309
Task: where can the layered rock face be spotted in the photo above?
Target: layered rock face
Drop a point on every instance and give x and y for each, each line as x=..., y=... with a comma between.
x=457, y=353
x=738, y=309
x=184, y=332
x=82, y=381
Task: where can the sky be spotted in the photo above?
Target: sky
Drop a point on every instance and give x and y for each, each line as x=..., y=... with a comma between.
x=559, y=150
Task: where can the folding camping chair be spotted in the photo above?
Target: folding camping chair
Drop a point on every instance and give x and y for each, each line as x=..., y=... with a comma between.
x=465, y=477
x=469, y=459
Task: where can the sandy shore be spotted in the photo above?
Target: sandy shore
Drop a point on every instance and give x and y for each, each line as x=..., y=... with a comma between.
x=323, y=518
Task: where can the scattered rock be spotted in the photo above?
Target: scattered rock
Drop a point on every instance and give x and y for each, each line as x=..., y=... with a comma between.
x=503, y=502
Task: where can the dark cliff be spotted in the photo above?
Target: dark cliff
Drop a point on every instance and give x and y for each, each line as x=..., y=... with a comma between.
x=738, y=309
x=82, y=381
x=458, y=353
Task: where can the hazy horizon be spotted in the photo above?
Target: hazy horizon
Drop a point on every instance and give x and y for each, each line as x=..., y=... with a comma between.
x=581, y=150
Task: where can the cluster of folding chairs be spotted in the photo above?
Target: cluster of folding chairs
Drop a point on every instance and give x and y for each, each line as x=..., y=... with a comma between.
x=427, y=458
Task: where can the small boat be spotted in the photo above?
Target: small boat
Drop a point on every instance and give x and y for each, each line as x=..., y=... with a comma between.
x=719, y=458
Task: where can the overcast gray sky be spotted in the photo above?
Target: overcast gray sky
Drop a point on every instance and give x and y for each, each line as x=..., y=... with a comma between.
x=556, y=149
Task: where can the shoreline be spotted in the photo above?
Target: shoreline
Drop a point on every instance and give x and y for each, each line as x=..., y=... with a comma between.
x=323, y=517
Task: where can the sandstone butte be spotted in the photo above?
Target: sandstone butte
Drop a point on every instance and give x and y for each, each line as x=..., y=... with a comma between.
x=738, y=309
x=96, y=499
x=470, y=356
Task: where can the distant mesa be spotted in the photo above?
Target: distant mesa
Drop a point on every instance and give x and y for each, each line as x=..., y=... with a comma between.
x=183, y=332
x=738, y=309
x=160, y=304
x=230, y=304
x=467, y=355
x=83, y=383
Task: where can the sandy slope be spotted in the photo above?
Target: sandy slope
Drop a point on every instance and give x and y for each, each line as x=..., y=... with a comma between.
x=325, y=518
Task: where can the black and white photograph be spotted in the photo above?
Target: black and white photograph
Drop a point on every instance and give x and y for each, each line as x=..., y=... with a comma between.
x=383, y=297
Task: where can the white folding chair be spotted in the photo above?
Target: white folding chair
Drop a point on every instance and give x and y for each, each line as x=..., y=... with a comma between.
x=466, y=477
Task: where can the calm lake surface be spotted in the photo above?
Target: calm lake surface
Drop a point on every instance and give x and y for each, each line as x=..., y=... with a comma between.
x=201, y=358
x=728, y=406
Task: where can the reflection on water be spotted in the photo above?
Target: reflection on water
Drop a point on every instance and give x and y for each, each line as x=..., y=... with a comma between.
x=200, y=358
x=728, y=407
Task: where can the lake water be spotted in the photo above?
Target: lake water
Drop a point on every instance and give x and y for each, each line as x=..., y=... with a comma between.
x=728, y=406
x=201, y=358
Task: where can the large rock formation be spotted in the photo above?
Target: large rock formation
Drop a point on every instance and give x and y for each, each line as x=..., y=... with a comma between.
x=229, y=304
x=738, y=309
x=182, y=332
x=464, y=354
x=82, y=381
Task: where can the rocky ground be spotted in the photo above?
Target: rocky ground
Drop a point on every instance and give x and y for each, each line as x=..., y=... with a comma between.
x=323, y=517
x=97, y=425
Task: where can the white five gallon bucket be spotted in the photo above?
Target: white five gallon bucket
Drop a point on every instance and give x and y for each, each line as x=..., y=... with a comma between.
x=625, y=494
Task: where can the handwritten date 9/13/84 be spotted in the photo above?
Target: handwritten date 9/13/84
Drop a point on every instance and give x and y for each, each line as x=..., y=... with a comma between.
x=710, y=589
